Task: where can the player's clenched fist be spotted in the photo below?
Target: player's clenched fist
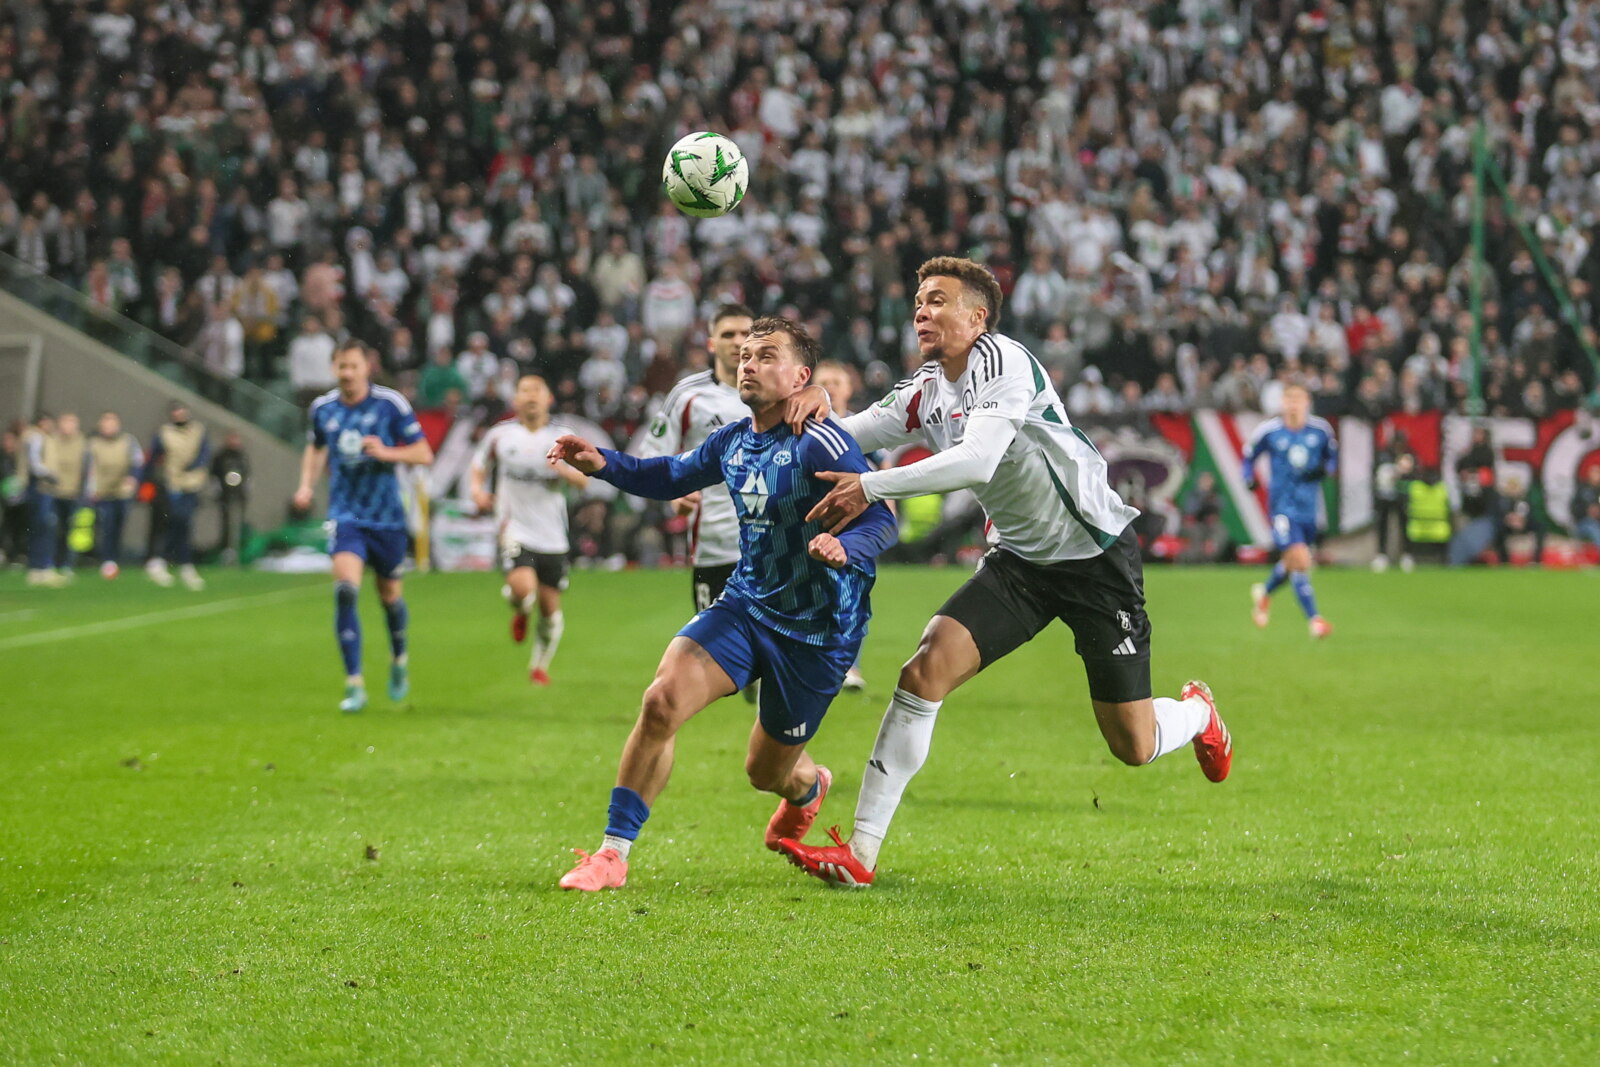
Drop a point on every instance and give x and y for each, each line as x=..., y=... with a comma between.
x=578, y=452
x=827, y=548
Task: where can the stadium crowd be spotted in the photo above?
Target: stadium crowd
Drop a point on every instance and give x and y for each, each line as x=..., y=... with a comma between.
x=1189, y=204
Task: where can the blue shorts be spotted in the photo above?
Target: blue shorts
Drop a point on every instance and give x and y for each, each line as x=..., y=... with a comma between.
x=1288, y=531
x=382, y=550
x=798, y=681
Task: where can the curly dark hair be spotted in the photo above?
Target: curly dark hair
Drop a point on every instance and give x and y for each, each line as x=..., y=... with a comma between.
x=975, y=279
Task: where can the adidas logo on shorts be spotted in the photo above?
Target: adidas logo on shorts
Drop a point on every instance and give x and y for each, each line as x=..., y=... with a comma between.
x=1126, y=648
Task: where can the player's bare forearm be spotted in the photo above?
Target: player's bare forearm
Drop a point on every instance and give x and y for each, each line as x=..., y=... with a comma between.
x=843, y=503
x=312, y=461
x=417, y=453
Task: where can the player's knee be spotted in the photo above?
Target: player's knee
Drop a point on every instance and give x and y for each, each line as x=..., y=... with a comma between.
x=658, y=713
x=344, y=594
x=1135, y=752
x=921, y=676
x=762, y=777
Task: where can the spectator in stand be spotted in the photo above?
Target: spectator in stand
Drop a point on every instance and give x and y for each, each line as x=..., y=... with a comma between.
x=1204, y=535
x=441, y=378
x=311, y=361
x=668, y=308
x=221, y=343
x=1089, y=395
x=255, y=305
x=478, y=366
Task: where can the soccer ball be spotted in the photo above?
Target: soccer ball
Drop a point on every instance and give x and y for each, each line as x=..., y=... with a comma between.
x=705, y=175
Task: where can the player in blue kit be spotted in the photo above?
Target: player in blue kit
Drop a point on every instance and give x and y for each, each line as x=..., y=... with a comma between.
x=793, y=614
x=1301, y=451
x=359, y=431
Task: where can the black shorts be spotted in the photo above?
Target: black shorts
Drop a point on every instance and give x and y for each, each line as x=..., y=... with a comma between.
x=550, y=568
x=1009, y=600
x=708, y=583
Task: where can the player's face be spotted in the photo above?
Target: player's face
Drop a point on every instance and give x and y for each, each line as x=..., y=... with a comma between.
x=769, y=370
x=1296, y=407
x=68, y=425
x=837, y=382
x=110, y=425
x=945, y=325
x=351, y=369
x=727, y=337
x=533, y=398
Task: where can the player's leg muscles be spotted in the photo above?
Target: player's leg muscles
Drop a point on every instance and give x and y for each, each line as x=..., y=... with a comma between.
x=773, y=767
x=522, y=583
x=347, y=569
x=946, y=657
x=1129, y=728
x=1297, y=557
x=686, y=681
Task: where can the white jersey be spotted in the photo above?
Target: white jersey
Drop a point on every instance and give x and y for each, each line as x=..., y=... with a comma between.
x=697, y=406
x=528, y=498
x=1049, y=498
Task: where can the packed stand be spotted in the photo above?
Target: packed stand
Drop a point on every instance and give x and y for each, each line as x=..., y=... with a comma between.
x=1188, y=205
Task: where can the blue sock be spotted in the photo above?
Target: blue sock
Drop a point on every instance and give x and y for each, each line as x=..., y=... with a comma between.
x=348, y=626
x=398, y=615
x=1276, y=578
x=627, y=814
x=1302, y=591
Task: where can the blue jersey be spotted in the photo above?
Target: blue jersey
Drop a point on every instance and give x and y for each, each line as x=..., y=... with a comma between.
x=770, y=477
x=363, y=491
x=1298, y=461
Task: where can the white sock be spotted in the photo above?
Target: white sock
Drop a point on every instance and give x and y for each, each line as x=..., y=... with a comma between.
x=899, y=753
x=529, y=602
x=547, y=637
x=1178, y=722
x=621, y=844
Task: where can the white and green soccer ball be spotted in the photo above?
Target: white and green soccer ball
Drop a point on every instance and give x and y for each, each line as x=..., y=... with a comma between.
x=705, y=175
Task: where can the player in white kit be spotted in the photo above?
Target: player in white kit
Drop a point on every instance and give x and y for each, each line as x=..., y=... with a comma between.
x=1061, y=548
x=698, y=405
x=528, y=501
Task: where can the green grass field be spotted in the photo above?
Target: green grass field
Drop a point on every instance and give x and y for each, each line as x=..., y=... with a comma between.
x=202, y=861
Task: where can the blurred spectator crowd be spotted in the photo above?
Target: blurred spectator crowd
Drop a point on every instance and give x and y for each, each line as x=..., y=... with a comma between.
x=1189, y=204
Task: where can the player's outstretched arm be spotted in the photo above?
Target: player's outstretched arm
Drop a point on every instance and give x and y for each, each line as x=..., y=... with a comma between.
x=577, y=453
x=312, y=461
x=971, y=463
x=658, y=477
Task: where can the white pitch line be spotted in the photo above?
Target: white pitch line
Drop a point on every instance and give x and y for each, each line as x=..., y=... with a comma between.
x=133, y=622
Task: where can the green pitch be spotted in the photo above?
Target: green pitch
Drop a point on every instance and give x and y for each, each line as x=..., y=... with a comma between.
x=202, y=861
